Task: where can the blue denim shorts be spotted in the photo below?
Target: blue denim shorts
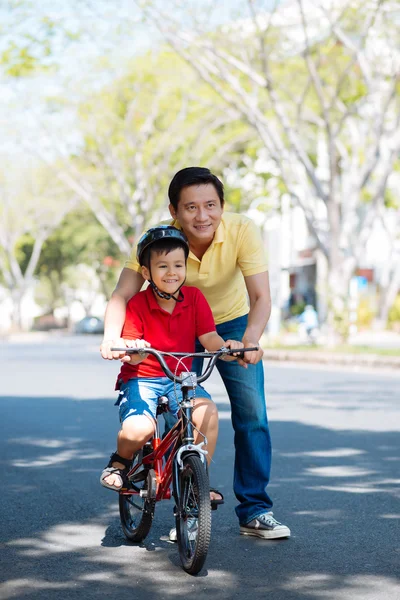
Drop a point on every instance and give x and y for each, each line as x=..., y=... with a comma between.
x=138, y=396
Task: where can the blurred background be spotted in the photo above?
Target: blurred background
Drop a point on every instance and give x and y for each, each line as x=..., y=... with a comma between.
x=295, y=105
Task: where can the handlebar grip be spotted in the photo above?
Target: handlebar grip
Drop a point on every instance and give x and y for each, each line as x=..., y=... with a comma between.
x=242, y=352
x=128, y=350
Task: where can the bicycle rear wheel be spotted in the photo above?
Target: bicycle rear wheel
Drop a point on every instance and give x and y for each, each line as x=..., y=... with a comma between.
x=193, y=514
x=137, y=511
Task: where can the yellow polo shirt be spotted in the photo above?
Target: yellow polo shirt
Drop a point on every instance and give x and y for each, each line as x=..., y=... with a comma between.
x=236, y=251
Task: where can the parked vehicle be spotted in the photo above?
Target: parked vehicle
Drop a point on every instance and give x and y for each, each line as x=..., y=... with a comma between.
x=90, y=325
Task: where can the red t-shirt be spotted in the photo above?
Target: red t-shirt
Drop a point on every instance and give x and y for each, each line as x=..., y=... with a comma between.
x=176, y=332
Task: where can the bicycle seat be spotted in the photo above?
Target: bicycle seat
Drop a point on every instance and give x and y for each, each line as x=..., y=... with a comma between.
x=162, y=405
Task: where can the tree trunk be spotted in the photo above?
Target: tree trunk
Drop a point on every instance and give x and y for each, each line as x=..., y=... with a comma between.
x=338, y=299
x=17, y=296
x=388, y=294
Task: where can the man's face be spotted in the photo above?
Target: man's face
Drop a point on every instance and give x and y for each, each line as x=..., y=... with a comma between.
x=199, y=212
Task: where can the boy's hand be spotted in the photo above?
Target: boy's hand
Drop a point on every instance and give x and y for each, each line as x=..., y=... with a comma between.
x=135, y=358
x=107, y=344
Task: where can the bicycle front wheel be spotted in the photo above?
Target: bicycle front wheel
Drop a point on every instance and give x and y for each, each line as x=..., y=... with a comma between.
x=193, y=514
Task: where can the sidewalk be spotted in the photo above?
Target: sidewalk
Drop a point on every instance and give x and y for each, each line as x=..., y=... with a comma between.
x=366, y=348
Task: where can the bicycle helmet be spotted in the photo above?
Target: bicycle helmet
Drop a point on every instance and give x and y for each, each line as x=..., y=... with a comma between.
x=155, y=234
x=158, y=233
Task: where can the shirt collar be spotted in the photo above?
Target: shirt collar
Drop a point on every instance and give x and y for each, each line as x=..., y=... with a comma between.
x=153, y=304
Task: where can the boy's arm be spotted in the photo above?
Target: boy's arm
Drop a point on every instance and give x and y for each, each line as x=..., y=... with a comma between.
x=212, y=342
x=129, y=284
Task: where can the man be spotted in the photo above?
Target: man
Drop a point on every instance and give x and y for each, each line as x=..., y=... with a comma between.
x=226, y=262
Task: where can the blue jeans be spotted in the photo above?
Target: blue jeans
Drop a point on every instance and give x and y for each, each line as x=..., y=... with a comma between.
x=245, y=388
x=139, y=396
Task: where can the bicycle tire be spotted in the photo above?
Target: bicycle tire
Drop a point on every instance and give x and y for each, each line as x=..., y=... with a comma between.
x=193, y=503
x=137, y=512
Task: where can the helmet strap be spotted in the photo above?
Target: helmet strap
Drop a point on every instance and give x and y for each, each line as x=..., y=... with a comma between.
x=164, y=295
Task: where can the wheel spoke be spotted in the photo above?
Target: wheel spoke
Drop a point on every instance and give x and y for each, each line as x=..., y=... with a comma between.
x=134, y=505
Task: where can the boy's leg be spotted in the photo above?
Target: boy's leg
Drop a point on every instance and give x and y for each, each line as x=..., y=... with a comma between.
x=205, y=419
x=134, y=433
x=137, y=411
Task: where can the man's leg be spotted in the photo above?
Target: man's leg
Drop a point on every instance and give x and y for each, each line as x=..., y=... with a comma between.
x=245, y=389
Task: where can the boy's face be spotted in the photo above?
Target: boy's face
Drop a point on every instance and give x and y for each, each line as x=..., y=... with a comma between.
x=168, y=271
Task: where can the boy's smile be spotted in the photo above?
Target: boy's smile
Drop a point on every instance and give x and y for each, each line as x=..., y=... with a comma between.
x=168, y=270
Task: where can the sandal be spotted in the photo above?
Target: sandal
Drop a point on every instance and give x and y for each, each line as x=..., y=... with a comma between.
x=217, y=501
x=110, y=470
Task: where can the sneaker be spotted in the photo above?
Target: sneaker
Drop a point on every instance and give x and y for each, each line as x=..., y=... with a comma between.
x=265, y=526
x=192, y=529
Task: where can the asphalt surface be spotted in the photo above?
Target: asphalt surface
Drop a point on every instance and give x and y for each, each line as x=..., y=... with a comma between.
x=335, y=483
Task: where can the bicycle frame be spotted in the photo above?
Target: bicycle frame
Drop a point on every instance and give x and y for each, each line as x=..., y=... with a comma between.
x=181, y=436
x=154, y=460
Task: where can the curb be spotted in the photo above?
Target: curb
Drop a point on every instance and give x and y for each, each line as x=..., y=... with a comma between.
x=331, y=358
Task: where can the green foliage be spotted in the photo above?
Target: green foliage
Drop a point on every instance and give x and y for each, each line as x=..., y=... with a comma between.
x=391, y=198
x=297, y=309
x=365, y=313
x=32, y=40
x=341, y=321
x=80, y=239
x=394, y=314
x=23, y=250
x=148, y=124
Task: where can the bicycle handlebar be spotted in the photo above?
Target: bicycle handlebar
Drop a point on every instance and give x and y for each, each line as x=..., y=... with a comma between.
x=160, y=357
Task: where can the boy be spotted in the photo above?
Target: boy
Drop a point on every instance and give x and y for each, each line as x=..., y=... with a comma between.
x=169, y=317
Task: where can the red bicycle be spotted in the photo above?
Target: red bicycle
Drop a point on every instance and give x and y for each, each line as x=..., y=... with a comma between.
x=177, y=460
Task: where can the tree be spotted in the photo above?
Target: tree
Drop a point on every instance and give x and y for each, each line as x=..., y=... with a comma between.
x=390, y=277
x=319, y=83
x=31, y=207
x=77, y=244
x=136, y=133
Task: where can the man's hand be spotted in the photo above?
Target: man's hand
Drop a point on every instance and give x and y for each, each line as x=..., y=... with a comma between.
x=135, y=358
x=232, y=345
x=251, y=358
x=106, y=346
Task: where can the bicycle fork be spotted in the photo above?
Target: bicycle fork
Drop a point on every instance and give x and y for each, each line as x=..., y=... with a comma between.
x=189, y=382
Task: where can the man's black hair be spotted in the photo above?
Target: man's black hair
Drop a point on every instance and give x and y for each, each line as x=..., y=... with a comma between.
x=193, y=176
x=164, y=245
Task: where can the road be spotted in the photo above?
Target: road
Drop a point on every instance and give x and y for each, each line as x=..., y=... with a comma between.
x=335, y=482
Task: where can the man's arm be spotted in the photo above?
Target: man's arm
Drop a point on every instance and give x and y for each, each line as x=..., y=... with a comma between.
x=129, y=284
x=260, y=310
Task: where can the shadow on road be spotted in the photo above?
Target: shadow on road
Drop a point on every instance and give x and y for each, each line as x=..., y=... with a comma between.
x=60, y=534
